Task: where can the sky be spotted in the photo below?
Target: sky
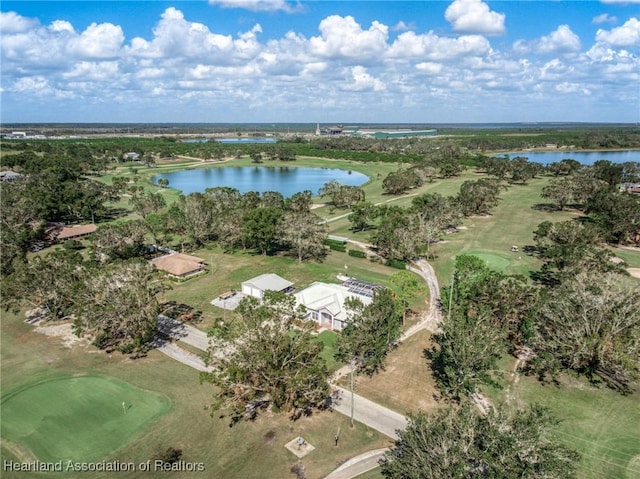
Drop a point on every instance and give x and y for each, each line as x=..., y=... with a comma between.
x=343, y=61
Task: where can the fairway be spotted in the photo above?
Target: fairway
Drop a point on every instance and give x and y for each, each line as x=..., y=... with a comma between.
x=80, y=418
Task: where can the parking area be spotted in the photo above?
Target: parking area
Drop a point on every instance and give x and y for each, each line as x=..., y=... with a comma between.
x=228, y=301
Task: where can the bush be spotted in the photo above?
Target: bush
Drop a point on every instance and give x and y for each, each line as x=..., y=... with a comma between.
x=394, y=263
x=356, y=253
x=72, y=244
x=337, y=247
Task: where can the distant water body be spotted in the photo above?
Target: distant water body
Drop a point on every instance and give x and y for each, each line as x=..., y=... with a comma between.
x=239, y=141
x=286, y=180
x=584, y=157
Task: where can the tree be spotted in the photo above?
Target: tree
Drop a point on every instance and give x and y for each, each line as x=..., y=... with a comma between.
x=305, y=233
x=568, y=247
x=268, y=359
x=478, y=197
x=196, y=211
x=48, y=282
x=372, y=331
x=362, y=214
x=522, y=170
x=617, y=213
x=120, y=240
x=117, y=306
x=261, y=227
x=408, y=287
x=560, y=191
x=458, y=443
x=299, y=202
x=342, y=196
x=591, y=324
x=398, y=182
x=148, y=203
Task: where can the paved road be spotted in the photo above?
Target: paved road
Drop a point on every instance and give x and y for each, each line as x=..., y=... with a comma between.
x=184, y=332
x=370, y=413
x=358, y=465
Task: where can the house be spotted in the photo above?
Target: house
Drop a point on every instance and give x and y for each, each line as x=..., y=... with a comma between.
x=265, y=282
x=325, y=303
x=60, y=233
x=179, y=265
x=132, y=155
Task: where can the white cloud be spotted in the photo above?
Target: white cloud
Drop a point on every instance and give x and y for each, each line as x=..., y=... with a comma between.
x=11, y=22
x=433, y=47
x=258, y=5
x=361, y=80
x=402, y=26
x=344, y=37
x=97, y=41
x=624, y=36
x=204, y=75
x=474, y=16
x=604, y=18
x=562, y=39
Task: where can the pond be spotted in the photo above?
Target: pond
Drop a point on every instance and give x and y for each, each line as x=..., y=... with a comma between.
x=584, y=157
x=287, y=180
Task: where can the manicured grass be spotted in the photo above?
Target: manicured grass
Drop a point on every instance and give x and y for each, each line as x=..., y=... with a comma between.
x=511, y=223
x=252, y=450
x=78, y=418
x=601, y=424
x=632, y=258
x=329, y=338
x=228, y=270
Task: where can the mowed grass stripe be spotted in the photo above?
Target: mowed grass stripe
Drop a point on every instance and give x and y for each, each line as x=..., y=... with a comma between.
x=80, y=418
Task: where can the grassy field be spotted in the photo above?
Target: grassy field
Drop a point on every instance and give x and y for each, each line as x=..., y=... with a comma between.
x=228, y=271
x=601, y=424
x=405, y=384
x=248, y=450
x=78, y=418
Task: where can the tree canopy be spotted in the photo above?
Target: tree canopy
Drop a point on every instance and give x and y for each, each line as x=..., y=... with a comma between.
x=456, y=442
x=267, y=359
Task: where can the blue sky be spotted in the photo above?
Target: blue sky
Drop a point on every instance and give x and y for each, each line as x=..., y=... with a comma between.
x=320, y=61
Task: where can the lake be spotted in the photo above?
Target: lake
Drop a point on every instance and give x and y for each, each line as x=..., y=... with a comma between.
x=584, y=157
x=288, y=180
x=239, y=141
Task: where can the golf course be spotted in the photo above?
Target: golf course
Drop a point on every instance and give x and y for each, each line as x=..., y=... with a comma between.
x=78, y=418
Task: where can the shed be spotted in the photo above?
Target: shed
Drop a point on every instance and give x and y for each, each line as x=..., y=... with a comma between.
x=265, y=282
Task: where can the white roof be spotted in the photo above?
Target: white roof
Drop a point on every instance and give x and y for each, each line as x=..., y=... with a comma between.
x=268, y=282
x=328, y=296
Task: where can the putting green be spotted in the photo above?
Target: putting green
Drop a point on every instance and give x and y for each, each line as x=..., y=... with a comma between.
x=80, y=418
x=492, y=260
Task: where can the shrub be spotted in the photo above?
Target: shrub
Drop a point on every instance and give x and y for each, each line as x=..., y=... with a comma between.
x=394, y=263
x=356, y=253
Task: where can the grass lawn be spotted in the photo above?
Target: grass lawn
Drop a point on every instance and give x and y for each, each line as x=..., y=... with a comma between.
x=406, y=383
x=78, y=418
x=329, y=338
x=601, y=424
x=247, y=451
x=511, y=223
x=228, y=271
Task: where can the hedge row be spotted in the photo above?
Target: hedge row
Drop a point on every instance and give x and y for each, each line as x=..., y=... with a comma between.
x=396, y=264
x=357, y=253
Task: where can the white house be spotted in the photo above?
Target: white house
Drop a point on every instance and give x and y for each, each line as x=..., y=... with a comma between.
x=265, y=282
x=325, y=303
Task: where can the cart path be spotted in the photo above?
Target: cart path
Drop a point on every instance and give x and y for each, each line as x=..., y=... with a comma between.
x=358, y=465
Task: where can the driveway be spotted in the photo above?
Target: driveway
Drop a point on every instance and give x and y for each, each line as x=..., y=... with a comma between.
x=183, y=332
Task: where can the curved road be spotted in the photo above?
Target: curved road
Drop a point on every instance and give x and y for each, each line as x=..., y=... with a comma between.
x=367, y=412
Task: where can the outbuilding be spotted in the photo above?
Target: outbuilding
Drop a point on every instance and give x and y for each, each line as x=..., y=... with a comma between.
x=265, y=282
